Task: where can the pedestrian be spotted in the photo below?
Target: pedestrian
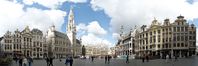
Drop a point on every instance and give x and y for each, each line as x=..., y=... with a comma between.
x=30, y=61
x=170, y=57
x=66, y=61
x=108, y=59
x=105, y=59
x=127, y=59
x=143, y=58
x=70, y=61
x=47, y=61
x=92, y=58
x=50, y=61
x=15, y=59
x=176, y=57
x=20, y=61
x=147, y=57
x=167, y=56
x=25, y=61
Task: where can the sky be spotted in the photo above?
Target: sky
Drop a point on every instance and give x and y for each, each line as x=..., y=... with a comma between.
x=97, y=21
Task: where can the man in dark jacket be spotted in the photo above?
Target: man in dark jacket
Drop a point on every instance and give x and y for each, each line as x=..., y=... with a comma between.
x=108, y=58
x=66, y=61
x=71, y=61
x=20, y=61
x=105, y=59
x=47, y=61
x=127, y=59
x=51, y=62
x=30, y=61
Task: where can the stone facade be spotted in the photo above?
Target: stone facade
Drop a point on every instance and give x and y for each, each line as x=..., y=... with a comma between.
x=71, y=33
x=176, y=38
x=58, y=43
x=98, y=50
x=35, y=44
x=38, y=43
x=126, y=44
x=25, y=42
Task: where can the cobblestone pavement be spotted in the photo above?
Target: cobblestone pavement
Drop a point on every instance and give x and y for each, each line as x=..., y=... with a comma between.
x=193, y=61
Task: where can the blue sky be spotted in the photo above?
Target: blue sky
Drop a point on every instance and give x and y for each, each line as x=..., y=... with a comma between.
x=105, y=16
x=83, y=14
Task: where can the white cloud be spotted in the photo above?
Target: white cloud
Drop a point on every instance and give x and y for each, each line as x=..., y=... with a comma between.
x=93, y=27
x=77, y=1
x=46, y=3
x=51, y=3
x=139, y=12
x=13, y=16
x=91, y=39
x=96, y=29
x=92, y=34
x=116, y=36
x=81, y=26
x=28, y=2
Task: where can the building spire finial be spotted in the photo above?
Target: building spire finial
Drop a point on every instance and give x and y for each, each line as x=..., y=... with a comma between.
x=121, y=30
x=154, y=18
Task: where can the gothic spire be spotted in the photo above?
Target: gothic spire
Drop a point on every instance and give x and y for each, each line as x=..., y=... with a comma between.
x=71, y=26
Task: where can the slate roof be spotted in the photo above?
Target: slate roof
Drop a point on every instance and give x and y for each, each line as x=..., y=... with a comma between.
x=60, y=35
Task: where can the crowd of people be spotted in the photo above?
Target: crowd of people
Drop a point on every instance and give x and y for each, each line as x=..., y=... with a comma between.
x=167, y=57
x=23, y=60
x=107, y=59
x=27, y=60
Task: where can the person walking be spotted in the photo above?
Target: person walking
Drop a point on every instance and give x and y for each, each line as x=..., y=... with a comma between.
x=66, y=61
x=50, y=61
x=176, y=57
x=143, y=58
x=108, y=59
x=15, y=59
x=20, y=61
x=47, y=61
x=170, y=57
x=25, y=61
x=167, y=56
x=105, y=59
x=147, y=57
x=30, y=61
x=70, y=61
x=92, y=58
x=127, y=59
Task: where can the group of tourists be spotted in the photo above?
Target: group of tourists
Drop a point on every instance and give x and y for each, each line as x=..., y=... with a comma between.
x=49, y=61
x=69, y=61
x=107, y=59
x=169, y=58
x=145, y=57
x=23, y=60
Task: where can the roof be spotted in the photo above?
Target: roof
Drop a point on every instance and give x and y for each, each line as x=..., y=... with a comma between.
x=37, y=31
x=1, y=38
x=78, y=41
x=60, y=35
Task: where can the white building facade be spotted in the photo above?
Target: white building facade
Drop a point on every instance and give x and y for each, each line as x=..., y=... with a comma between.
x=38, y=43
x=25, y=42
x=59, y=44
x=126, y=44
